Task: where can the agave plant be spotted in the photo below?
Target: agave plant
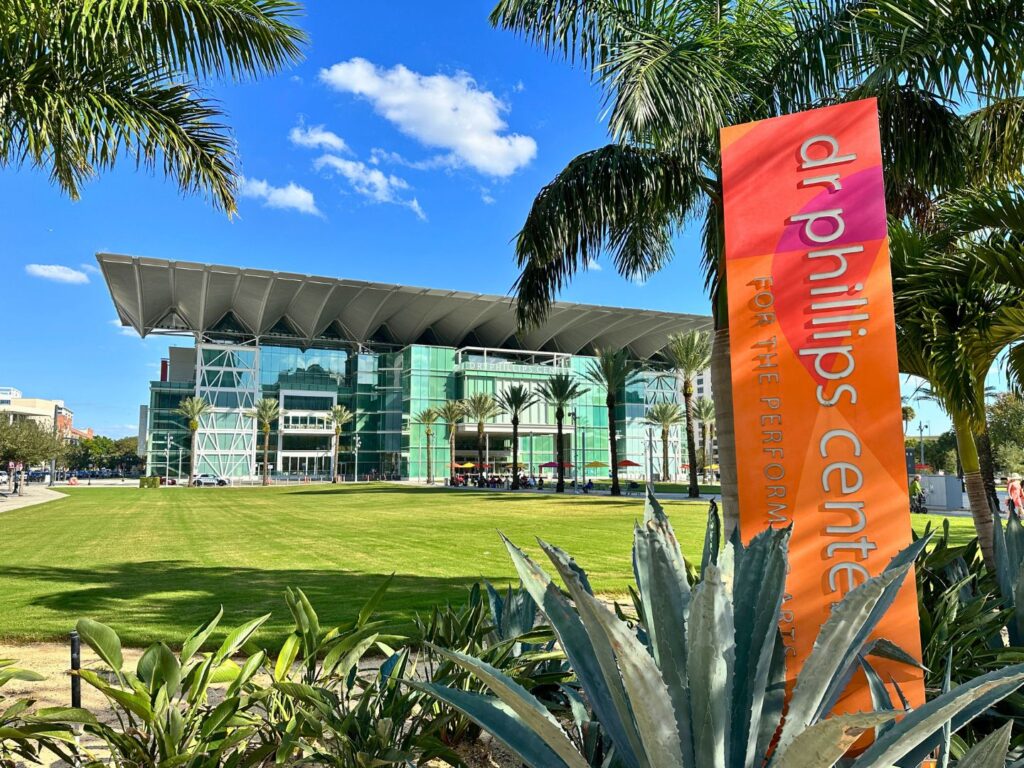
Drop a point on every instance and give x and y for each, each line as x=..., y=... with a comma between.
x=700, y=682
x=506, y=638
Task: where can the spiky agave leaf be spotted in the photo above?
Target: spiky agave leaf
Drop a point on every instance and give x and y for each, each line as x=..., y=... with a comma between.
x=647, y=694
x=665, y=596
x=759, y=585
x=593, y=663
x=919, y=732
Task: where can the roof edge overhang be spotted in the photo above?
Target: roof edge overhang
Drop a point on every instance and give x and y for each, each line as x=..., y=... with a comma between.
x=145, y=291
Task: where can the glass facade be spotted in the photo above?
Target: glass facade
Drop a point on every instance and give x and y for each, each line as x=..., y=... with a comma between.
x=386, y=389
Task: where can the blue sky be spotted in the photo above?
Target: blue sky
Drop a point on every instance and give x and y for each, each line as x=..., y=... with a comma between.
x=352, y=169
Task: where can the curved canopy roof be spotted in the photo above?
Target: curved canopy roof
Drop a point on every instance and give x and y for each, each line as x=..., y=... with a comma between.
x=156, y=295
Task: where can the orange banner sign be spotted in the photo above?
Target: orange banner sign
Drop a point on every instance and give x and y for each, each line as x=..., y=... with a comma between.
x=815, y=379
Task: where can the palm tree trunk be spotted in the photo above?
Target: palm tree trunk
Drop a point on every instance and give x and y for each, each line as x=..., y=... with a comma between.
x=480, y=448
x=721, y=384
x=266, y=452
x=613, y=445
x=664, y=455
x=515, y=453
x=560, y=485
x=691, y=442
x=337, y=446
x=705, y=443
x=430, y=466
x=988, y=467
x=981, y=511
x=192, y=458
x=451, y=455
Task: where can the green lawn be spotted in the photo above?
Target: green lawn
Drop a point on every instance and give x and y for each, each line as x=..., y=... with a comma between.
x=154, y=564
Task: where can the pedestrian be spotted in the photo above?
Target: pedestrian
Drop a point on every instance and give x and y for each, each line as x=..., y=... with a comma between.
x=1015, y=494
x=916, y=495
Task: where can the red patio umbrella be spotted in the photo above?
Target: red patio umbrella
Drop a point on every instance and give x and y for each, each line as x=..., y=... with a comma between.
x=554, y=465
x=628, y=463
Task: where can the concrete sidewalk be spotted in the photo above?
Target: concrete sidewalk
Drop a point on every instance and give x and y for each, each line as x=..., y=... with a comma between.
x=34, y=494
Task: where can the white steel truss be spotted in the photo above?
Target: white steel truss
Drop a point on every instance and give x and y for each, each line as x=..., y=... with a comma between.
x=227, y=377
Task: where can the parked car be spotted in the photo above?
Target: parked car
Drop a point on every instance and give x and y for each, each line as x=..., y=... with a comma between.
x=3, y=478
x=209, y=480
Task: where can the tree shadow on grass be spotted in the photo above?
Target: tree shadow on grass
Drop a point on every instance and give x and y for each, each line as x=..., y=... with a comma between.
x=166, y=599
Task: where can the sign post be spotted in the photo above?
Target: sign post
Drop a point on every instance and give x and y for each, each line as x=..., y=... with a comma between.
x=814, y=369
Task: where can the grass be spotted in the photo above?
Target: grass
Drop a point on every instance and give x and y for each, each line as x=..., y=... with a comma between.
x=666, y=487
x=155, y=564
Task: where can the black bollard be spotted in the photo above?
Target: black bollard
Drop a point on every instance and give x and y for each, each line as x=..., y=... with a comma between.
x=76, y=664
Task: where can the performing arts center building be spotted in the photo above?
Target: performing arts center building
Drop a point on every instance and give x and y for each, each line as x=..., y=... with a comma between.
x=387, y=352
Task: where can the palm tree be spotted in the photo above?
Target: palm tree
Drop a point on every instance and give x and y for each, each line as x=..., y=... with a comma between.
x=514, y=401
x=339, y=416
x=428, y=418
x=481, y=407
x=665, y=416
x=675, y=73
x=192, y=408
x=614, y=370
x=559, y=391
x=959, y=306
x=689, y=353
x=267, y=412
x=451, y=412
x=704, y=411
x=84, y=84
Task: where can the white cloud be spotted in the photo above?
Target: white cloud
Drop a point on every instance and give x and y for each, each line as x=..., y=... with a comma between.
x=594, y=265
x=486, y=196
x=317, y=137
x=124, y=330
x=451, y=113
x=447, y=161
x=519, y=87
x=291, y=196
x=371, y=182
x=58, y=273
x=92, y=269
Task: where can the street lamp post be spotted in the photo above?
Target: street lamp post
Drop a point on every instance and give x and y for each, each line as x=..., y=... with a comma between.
x=575, y=450
x=921, y=427
x=650, y=454
x=355, y=444
x=167, y=458
x=56, y=432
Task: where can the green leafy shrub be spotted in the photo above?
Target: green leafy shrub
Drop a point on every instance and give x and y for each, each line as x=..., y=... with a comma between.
x=164, y=710
x=321, y=709
x=505, y=636
x=25, y=734
x=703, y=683
x=964, y=630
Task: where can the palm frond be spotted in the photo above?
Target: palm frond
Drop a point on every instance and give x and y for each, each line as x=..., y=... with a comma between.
x=996, y=131
x=236, y=38
x=689, y=352
x=612, y=369
x=83, y=84
x=628, y=200
x=78, y=125
x=952, y=48
x=923, y=143
x=516, y=399
x=560, y=389
x=665, y=415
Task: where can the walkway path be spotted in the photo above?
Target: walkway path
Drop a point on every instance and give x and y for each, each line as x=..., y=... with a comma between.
x=34, y=494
